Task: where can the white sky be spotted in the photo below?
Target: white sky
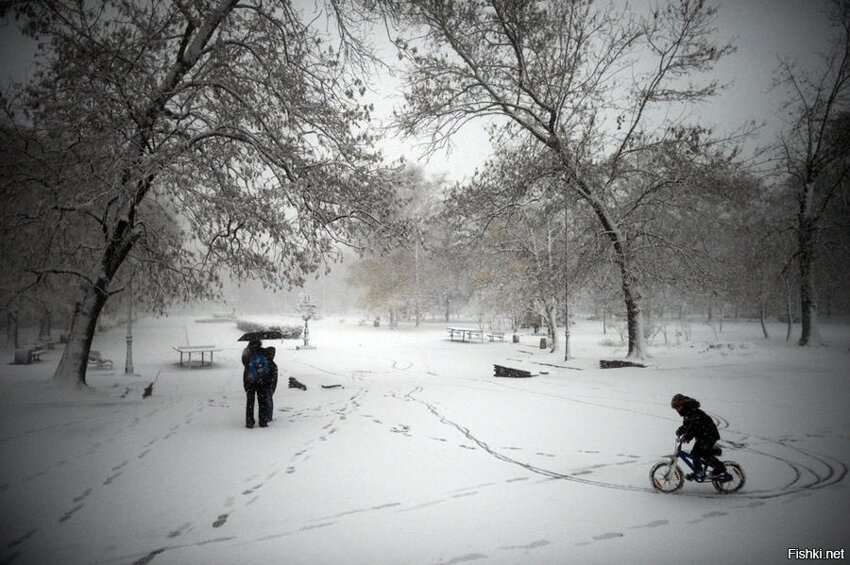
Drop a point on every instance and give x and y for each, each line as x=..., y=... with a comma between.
x=763, y=30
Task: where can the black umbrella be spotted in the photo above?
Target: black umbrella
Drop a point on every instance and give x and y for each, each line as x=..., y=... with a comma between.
x=260, y=336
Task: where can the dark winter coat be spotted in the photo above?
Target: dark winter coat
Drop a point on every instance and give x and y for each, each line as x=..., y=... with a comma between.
x=270, y=353
x=696, y=424
x=247, y=381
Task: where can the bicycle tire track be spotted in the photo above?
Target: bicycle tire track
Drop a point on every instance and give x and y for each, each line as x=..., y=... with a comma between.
x=836, y=470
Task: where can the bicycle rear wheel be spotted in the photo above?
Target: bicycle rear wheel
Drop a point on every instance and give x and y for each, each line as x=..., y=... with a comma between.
x=666, y=476
x=732, y=481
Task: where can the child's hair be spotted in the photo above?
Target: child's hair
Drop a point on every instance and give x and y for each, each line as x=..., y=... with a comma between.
x=678, y=401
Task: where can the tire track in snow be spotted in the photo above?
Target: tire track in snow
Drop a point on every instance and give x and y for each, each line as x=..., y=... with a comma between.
x=835, y=470
x=533, y=468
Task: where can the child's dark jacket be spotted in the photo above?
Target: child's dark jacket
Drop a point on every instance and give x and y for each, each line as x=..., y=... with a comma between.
x=272, y=383
x=697, y=424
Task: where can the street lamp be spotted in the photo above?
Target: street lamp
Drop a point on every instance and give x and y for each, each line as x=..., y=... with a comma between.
x=128, y=364
x=308, y=310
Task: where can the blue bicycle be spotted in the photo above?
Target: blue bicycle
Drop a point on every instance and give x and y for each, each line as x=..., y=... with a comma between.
x=666, y=475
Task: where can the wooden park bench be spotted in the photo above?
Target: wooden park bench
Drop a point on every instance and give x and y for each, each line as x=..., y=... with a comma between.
x=514, y=372
x=618, y=364
x=27, y=356
x=493, y=336
x=96, y=361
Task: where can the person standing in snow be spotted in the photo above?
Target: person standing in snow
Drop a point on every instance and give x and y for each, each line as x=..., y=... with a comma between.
x=255, y=380
x=271, y=385
x=699, y=426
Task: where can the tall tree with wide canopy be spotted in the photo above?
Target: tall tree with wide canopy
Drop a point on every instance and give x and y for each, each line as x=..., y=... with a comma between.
x=241, y=121
x=583, y=80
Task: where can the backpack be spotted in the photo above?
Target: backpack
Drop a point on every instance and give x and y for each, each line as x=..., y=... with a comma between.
x=258, y=366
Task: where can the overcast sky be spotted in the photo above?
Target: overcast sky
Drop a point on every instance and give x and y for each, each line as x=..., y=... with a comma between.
x=763, y=31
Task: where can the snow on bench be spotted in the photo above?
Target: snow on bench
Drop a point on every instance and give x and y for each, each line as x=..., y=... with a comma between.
x=189, y=350
x=27, y=356
x=618, y=364
x=466, y=334
x=96, y=361
x=514, y=371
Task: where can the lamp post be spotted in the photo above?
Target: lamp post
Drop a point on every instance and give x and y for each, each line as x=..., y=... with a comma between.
x=308, y=310
x=128, y=364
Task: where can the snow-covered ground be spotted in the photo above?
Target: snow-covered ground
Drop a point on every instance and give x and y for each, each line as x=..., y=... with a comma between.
x=422, y=456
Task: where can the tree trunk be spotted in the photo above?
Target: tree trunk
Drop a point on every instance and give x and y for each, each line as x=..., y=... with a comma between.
x=633, y=317
x=72, y=367
x=552, y=324
x=418, y=283
x=74, y=363
x=631, y=296
x=788, y=311
x=809, y=332
x=566, y=281
x=763, y=324
x=566, y=330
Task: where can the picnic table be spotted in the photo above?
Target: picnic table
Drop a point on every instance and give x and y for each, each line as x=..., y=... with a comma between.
x=466, y=334
x=188, y=350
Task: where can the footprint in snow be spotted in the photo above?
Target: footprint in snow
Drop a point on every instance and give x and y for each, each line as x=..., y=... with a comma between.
x=655, y=524
x=82, y=496
x=70, y=513
x=610, y=535
x=532, y=545
x=22, y=539
x=222, y=518
x=179, y=530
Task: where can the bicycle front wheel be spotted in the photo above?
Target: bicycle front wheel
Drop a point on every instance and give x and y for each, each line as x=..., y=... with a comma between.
x=666, y=476
x=732, y=481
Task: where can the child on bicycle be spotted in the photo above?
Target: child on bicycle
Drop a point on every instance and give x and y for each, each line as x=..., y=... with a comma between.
x=699, y=426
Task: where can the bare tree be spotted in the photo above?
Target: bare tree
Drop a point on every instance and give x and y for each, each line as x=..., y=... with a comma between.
x=580, y=80
x=816, y=154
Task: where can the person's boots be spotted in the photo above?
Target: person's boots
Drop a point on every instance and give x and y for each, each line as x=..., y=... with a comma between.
x=719, y=470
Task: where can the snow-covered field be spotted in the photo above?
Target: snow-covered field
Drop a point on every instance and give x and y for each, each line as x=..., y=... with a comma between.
x=422, y=456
